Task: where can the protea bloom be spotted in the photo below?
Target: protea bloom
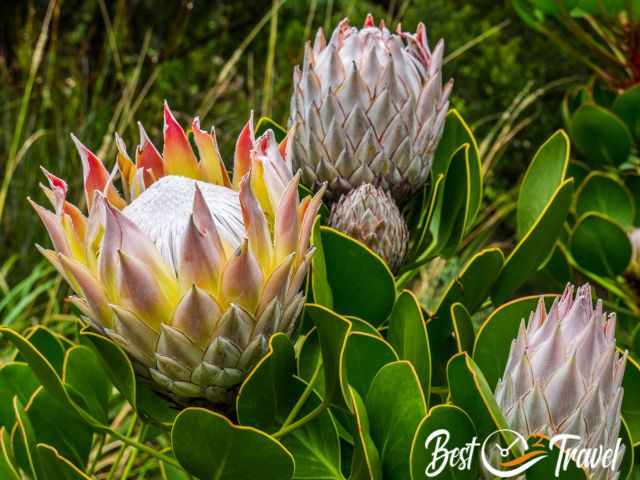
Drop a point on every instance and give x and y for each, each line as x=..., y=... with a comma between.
x=368, y=107
x=189, y=271
x=368, y=214
x=564, y=374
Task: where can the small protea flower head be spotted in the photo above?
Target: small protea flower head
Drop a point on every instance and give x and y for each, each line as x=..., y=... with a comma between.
x=370, y=215
x=564, y=374
x=190, y=271
x=368, y=107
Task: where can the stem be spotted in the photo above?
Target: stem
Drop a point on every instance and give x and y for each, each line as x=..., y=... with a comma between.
x=304, y=420
x=146, y=449
x=115, y=465
x=134, y=454
x=94, y=462
x=303, y=398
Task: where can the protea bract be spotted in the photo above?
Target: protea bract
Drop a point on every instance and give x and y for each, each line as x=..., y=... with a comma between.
x=564, y=375
x=189, y=270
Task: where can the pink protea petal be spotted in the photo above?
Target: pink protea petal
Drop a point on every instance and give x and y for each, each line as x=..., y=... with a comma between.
x=277, y=283
x=242, y=157
x=204, y=221
x=178, y=155
x=90, y=289
x=212, y=167
x=242, y=279
x=141, y=291
x=96, y=176
x=54, y=227
x=369, y=21
x=196, y=316
x=77, y=217
x=256, y=225
x=200, y=261
x=300, y=274
x=121, y=234
x=125, y=165
x=309, y=218
x=148, y=158
x=286, y=221
x=59, y=189
x=53, y=259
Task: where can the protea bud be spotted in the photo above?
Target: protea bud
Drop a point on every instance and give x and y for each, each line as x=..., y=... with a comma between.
x=190, y=272
x=370, y=215
x=564, y=375
x=368, y=107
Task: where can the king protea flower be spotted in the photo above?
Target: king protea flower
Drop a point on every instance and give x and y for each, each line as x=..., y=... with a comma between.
x=368, y=107
x=190, y=271
x=564, y=374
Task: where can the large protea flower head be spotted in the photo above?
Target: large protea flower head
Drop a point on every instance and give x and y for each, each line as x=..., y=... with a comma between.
x=368, y=107
x=189, y=271
x=564, y=374
x=370, y=215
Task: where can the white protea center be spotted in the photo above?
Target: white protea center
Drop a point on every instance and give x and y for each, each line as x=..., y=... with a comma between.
x=162, y=212
x=564, y=375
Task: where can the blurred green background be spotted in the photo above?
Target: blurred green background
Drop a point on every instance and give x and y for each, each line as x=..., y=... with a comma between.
x=100, y=66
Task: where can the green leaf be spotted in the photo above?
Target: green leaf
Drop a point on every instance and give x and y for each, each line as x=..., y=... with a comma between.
x=16, y=379
x=266, y=395
x=545, y=469
x=469, y=390
x=347, y=262
x=333, y=331
x=364, y=356
x=630, y=404
x=24, y=443
x=83, y=371
x=49, y=345
x=535, y=246
x=460, y=430
x=605, y=194
x=456, y=133
x=319, y=280
x=47, y=375
x=633, y=185
x=627, y=107
x=450, y=213
x=54, y=423
x=470, y=288
x=407, y=334
x=462, y=328
x=494, y=337
x=208, y=445
x=628, y=461
x=600, y=245
x=365, y=463
x=315, y=446
x=395, y=406
x=115, y=362
x=543, y=177
x=119, y=370
x=7, y=468
x=57, y=466
x=601, y=136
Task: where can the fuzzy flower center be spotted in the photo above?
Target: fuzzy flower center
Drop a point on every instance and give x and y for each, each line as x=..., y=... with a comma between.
x=163, y=210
